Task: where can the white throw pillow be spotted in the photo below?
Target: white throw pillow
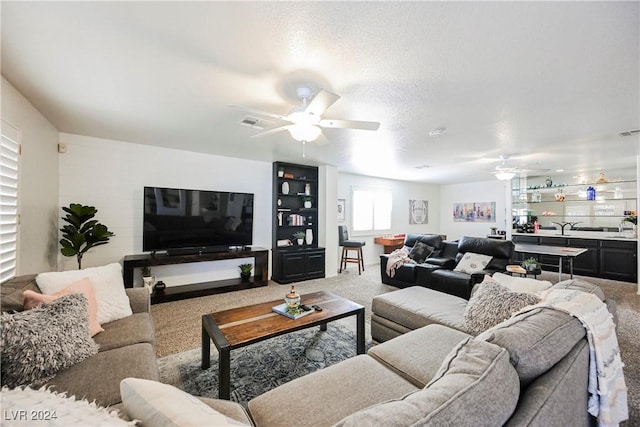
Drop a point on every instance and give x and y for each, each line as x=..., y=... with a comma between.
x=160, y=405
x=472, y=263
x=521, y=284
x=113, y=302
x=29, y=407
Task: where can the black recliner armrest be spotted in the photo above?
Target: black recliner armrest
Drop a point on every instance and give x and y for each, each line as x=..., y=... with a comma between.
x=446, y=263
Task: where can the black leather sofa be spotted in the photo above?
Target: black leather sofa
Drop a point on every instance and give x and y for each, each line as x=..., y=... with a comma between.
x=437, y=270
x=405, y=275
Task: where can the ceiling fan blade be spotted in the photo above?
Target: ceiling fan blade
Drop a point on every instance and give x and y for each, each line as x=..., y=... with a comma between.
x=271, y=131
x=323, y=100
x=349, y=124
x=262, y=113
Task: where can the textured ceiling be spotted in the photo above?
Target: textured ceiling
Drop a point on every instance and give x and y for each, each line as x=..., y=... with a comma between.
x=551, y=83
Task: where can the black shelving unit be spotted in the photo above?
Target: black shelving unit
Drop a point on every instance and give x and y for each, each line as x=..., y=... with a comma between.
x=295, y=209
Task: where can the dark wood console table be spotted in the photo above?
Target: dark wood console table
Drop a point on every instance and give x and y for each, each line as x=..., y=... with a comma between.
x=173, y=293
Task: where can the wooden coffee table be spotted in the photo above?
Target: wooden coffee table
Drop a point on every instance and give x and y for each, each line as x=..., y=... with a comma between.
x=238, y=327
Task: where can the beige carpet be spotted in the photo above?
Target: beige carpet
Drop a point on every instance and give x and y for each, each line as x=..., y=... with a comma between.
x=178, y=324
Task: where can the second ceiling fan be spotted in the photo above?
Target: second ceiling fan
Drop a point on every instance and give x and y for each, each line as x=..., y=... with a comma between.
x=305, y=120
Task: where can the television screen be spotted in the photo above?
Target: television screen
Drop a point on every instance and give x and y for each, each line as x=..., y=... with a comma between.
x=200, y=219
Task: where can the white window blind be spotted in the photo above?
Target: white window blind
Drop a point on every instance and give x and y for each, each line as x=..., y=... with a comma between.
x=371, y=210
x=9, y=162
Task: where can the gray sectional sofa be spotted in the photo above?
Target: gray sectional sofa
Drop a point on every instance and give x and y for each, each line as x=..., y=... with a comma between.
x=531, y=370
x=127, y=348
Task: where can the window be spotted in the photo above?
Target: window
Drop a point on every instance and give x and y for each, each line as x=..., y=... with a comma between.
x=9, y=156
x=371, y=210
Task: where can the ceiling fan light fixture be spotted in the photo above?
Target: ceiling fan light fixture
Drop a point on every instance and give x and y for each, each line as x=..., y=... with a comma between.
x=304, y=132
x=505, y=175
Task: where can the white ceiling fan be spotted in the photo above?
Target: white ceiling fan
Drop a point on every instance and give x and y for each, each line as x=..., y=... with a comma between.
x=306, y=121
x=505, y=172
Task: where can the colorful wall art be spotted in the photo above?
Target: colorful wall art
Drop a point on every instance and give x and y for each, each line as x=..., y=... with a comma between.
x=474, y=212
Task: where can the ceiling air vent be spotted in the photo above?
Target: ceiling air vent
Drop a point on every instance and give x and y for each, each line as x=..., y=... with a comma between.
x=254, y=122
x=629, y=132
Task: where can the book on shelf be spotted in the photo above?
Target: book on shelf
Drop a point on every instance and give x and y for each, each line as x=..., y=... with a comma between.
x=282, y=309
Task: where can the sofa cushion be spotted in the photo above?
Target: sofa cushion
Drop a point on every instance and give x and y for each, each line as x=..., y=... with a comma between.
x=415, y=307
x=472, y=263
x=492, y=303
x=581, y=285
x=98, y=377
x=433, y=240
x=108, y=285
x=37, y=344
x=520, y=284
x=83, y=286
x=137, y=328
x=326, y=396
x=474, y=377
x=500, y=249
x=11, y=297
x=536, y=340
x=420, y=252
x=417, y=355
x=28, y=407
x=162, y=405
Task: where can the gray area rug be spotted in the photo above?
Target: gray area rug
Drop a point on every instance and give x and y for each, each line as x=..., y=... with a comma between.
x=260, y=367
x=178, y=324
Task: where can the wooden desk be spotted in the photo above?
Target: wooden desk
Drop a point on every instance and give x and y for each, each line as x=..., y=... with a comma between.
x=560, y=251
x=390, y=243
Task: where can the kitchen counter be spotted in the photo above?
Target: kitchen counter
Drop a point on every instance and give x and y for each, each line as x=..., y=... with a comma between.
x=627, y=236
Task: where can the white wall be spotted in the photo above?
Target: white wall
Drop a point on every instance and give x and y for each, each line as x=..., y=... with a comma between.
x=485, y=191
x=402, y=192
x=38, y=183
x=328, y=218
x=110, y=175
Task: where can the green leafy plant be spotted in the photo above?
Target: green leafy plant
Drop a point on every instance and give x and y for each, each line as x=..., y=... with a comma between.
x=633, y=219
x=299, y=235
x=530, y=264
x=82, y=231
x=146, y=271
x=246, y=268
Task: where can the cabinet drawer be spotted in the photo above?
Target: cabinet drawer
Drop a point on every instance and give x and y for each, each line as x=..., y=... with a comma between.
x=525, y=239
x=553, y=241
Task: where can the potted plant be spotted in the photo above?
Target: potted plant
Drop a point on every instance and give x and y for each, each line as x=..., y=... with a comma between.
x=245, y=271
x=82, y=232
x=633, y=219
x=147, y=278
x=530, y=264
x=299, y=236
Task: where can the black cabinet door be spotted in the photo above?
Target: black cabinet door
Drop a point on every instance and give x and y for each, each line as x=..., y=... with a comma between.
x=293, y=266
x=587, y=263
x=314, y=266
x=618, y=261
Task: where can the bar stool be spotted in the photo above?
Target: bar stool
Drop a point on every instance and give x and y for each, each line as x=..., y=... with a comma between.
x=350, y=245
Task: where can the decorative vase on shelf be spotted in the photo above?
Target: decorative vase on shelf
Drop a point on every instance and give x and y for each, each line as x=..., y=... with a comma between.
x=307, y=204
x=559, y=196
x=548, y=182
x=309, y=236
x=300, y=242
x=307, y=189
x=149, y=281
x=285, y=188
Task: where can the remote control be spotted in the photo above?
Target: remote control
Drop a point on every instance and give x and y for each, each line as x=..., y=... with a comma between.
x=317, y=307
x=305, y=307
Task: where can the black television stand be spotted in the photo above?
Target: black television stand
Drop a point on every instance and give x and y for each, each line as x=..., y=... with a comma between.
x=173, y=293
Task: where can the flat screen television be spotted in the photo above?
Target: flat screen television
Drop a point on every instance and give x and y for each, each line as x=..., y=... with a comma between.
x=182, y=221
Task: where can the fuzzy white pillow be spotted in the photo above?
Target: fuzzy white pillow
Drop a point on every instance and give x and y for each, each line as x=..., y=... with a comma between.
x=521, y=284
x=113, y=302
x=473, y=263
x=162, y=405
x=43, y=407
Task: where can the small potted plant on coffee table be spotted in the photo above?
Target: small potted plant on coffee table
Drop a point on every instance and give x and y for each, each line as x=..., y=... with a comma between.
x=245, y=271
x=531, y=265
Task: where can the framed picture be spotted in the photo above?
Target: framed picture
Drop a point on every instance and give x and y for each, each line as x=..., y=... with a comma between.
x=418, y=211
x=474, y=212
x=341, y=209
